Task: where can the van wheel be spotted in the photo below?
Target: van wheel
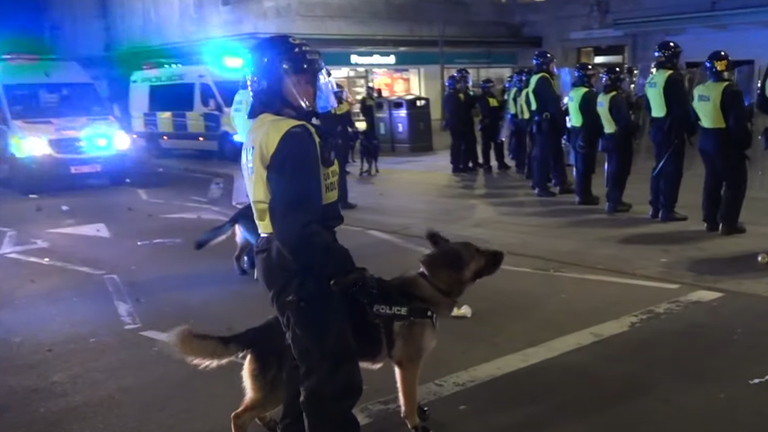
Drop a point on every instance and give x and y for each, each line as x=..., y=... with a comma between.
x=155, y=149
x=228, y=149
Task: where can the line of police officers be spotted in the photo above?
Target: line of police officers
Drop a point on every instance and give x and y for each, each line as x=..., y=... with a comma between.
x=607, y=123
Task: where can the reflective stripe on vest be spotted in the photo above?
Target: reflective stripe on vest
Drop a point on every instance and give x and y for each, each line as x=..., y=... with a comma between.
x=532, y=86
x=512, y=101
x=654, y=90
x=522, y=107
x=241, y=104
x=574, y=102
x=492, y=102
x=262, y=140
x=342, y=108
x=604, y=109
x=706, y=102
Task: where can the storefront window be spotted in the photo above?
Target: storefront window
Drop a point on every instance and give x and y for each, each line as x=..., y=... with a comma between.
x=392, y=82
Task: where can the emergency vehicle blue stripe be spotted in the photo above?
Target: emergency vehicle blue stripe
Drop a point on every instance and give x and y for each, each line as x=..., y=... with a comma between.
x=212, y=122
x=179, y=121
x=150, y=121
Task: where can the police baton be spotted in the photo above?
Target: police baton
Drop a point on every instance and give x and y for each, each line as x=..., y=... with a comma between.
x=666, y=156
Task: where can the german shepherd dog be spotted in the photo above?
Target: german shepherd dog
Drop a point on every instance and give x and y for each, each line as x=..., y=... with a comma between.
x=446, y=272
x=369, y=153
x=246, y=236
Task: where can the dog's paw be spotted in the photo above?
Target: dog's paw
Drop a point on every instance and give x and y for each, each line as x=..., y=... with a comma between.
x=423, y=413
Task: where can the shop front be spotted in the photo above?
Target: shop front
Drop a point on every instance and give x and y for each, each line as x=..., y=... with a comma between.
x=401, y=72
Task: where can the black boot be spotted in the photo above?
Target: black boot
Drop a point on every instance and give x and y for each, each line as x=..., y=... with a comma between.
x=545, y=193
x=621, y=207
x=672, y=216
x=732, y=229
x=590, y=200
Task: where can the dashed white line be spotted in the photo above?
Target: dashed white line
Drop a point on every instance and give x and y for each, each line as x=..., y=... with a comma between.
x=122, y=302
x=639, y=282
x=198, y=199
x=548, y=350
x=54, y=263
x=142, y=194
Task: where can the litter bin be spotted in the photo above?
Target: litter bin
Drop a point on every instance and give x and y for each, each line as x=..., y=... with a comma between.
x=411, y=124
x=383, y=123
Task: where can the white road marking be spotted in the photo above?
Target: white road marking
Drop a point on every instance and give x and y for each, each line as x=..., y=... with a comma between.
x=142, y=194
x=548, y=350
x=163, y=337
x=94, y=230
x=198, y=199
x=9, y=244
x=5, y=229
x=160, y=241
x=627, y=281
x=196, y=215
x=216, y=188
x=47, y=261
x=155, y=200
x=122, y=302
x=595, y=277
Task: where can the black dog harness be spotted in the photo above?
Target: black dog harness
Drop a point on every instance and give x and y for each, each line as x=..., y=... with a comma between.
x=385, y=304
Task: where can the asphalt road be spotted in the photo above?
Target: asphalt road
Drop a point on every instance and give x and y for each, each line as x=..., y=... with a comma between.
x=548, y=348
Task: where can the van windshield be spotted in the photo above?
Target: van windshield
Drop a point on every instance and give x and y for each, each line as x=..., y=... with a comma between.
x=45, y=101
x=227, y=91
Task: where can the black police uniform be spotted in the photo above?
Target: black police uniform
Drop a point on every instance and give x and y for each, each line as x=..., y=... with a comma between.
x=453, y=108
x=549, y=128
x=619, y=129
x=584, y=134
x=524, y=125
x=491, y=115
x=367, y=107
x=344, y=129
x=670, y=126
x=519, y=119
x=723, y=141
x=293, y=180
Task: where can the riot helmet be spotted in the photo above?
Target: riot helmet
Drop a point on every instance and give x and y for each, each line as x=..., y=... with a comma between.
x=584, y=75
x=613, y=77
x=719, y=66
x=340, y=93
x=487, y=85
x=451, y=82
x=525, y=77
x=369, y=90
x=286, y=73
x=668, y=54
x=544, y=61
x=464, y=76
x=511, y=81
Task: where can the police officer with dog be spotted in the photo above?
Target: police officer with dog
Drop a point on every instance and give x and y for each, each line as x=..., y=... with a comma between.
x=491, y=115
x=724, y=138
x=619, y=129
x=671, y=126
x=367, y=107
x=293, y=184
x=549, y=128
x=585, y=131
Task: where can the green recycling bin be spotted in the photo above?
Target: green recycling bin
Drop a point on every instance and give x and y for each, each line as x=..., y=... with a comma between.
x=411, y=124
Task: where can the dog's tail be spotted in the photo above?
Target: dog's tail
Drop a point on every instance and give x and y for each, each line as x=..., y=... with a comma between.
x=219, y=233
x=208, y=351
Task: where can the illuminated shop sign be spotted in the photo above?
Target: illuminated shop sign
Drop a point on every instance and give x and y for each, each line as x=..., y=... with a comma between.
x=372, y=60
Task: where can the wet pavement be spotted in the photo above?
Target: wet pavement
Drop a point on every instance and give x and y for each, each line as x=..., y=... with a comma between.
x=550, y=346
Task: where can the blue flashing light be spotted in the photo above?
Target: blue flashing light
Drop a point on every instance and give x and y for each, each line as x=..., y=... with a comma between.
x=226, y=57
x=233, y=62
x=104, y=139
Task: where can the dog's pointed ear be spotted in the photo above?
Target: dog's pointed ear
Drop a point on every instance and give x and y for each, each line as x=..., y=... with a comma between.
x=436, y=239
x=444, y=264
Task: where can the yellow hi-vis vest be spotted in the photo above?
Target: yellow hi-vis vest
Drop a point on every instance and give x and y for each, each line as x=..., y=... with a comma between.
x=654, y=90
x=574, y=101
x=532, y=86
x=522, y=107
x=262, y=140
x=511, y=102
x=342, y=108
x=603, y=109
x=706, y=103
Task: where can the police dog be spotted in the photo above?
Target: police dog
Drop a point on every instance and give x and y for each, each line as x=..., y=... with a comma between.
x=369, y=154
x=446, y=272
x=246, y=236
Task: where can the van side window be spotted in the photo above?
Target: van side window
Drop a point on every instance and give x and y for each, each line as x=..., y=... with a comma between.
x=172, y=97
x=207, y=96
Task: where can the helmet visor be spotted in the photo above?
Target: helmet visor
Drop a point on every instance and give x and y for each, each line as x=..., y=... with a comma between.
x=309, y=91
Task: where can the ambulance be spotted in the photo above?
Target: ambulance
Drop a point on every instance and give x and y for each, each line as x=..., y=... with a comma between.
x=54, y=124
x=178, y=107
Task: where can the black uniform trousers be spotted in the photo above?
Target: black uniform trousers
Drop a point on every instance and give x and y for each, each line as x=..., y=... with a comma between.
x=342, y=156
x=519, y=151
x=725, y=180
x=669, y=156
x=618, y=165
x=490, y=140
x=471, y=158
x=457, y=149
x=584, y=162
x=322, y=377
x=548, y=160
x=531, y=148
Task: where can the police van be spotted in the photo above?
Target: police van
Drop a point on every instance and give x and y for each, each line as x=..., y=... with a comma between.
x=55, y=124
x=177, y=107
